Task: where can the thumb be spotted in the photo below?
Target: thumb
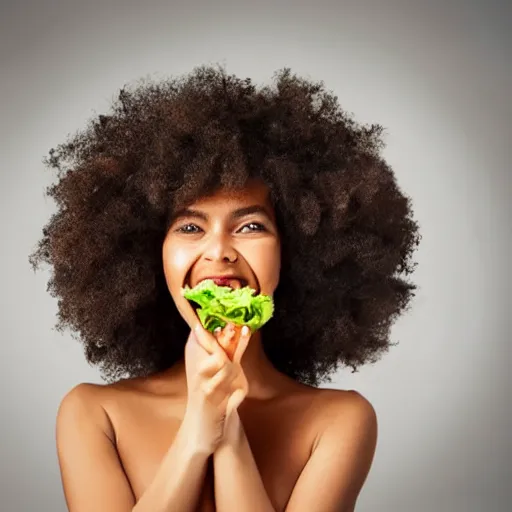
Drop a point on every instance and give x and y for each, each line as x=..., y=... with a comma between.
x=207, y=340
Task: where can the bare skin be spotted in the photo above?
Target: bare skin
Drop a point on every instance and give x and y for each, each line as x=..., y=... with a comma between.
x=146, y=415
x=114, y=441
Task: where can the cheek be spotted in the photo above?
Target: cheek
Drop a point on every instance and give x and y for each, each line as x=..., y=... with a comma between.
x=266, y=265
x=179, y=259
x=275, y=268
x=176, y=261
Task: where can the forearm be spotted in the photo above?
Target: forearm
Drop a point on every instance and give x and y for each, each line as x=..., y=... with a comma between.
x=178, y=482
x=237, y=480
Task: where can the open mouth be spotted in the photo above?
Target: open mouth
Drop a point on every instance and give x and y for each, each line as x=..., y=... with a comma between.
x=216, y=305
x=234, y=284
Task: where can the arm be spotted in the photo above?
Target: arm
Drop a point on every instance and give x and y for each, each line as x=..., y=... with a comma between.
x=337, y=469
x=330, y=481
x=237, y=481
x=92, y=474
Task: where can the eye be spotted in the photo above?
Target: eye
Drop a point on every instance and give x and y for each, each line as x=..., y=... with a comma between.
x=183, y=229
x=259, y=227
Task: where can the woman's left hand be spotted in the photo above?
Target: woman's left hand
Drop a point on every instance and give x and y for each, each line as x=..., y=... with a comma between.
x=233, y=339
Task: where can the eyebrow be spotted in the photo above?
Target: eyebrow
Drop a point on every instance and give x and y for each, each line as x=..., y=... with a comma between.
x=235, y=214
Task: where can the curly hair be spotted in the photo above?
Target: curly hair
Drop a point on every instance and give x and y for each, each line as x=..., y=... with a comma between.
x=346, y=229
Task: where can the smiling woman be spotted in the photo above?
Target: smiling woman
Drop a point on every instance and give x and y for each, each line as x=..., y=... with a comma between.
x=274, y=188
x=233, y=235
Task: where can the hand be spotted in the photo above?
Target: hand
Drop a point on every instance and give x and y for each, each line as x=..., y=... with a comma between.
x=234, y=340
x=233, y=431
x=216, y=386
x=230, y=338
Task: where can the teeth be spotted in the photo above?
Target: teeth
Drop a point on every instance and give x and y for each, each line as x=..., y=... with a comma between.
x=232, y=283
x=235, y=284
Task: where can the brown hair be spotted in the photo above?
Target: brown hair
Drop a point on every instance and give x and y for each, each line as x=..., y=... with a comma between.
x=346, y=228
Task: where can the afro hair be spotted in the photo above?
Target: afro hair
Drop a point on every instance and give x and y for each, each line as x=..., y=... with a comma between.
x=347, y=233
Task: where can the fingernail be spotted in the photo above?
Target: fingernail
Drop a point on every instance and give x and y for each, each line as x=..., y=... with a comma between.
x=245, y=330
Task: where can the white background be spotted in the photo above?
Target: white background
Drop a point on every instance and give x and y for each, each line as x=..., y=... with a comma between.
x=436, y=74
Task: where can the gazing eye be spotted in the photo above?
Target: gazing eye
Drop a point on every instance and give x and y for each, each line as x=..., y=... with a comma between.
x=260, y=227
x=183, y=229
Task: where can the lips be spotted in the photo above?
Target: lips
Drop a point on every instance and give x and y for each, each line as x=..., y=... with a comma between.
x=234, y=282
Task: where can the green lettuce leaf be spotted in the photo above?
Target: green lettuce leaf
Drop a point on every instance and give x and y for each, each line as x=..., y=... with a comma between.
x=221, y=304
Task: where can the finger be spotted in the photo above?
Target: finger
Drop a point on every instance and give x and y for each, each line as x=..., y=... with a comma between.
x=241, y=346
x=207, y=340
x=236, y=398
x=210, y=366
x=241, y=390
x=221, y=380
x=201, y=337
x=228, y=339
x=225, y=335
x=216, y=333
x=194, y=349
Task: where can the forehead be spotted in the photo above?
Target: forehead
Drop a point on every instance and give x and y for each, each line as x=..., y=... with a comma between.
x=254, y=197
x=251, y=190
x=252, y=193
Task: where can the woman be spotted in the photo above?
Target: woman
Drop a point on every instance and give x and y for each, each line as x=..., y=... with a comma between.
x=277, y=189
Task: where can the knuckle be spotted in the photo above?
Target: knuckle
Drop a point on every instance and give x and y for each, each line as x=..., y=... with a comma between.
x=204, y=369
x=229, y=371
x=202, y=366
x=222, y=374
x=209, y=365
x=208, y=389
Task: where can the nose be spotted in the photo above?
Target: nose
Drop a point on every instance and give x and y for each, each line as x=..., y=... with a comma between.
x=220, y=249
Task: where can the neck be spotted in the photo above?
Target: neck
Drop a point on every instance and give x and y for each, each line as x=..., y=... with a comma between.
x=263, y=378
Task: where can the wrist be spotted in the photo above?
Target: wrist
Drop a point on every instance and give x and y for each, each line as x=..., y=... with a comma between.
x=233, y=430
x=190, y=438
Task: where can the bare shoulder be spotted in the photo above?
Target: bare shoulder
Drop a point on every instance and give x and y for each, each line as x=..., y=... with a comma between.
x=102, y=405
x=92, y=475
x=84, y=395
x=345, y=401
x=85, y=403
x=342, y=411
x=346, y=407
x=99, y=396
x=334, y=401
x=342, y=452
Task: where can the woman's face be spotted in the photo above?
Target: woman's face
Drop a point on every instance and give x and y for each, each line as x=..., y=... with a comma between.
x=215, y=236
